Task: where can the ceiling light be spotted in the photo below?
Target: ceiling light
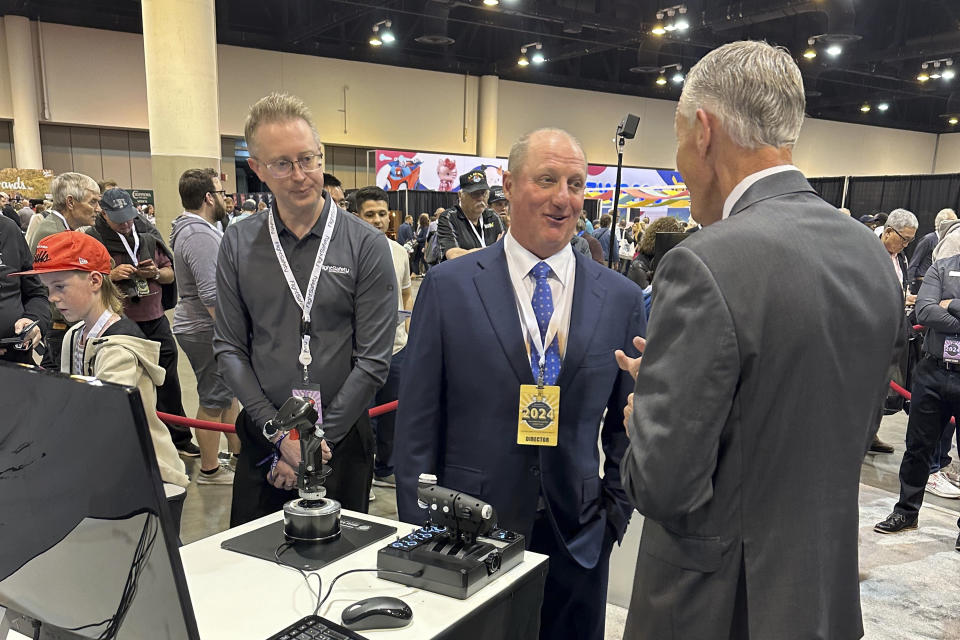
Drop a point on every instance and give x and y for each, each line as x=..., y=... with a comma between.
x=923, y=76
x=949, y=74
x=865, y=108
x=537, y=58
x=661, y=79
x=523, y=61
x=379, y=37
x=954, y=120
x=670, y=27
x=491, y=3
x=658, y=30
x=387, y=37
x=375, y=40
x=677, y=78
x=682, y=24
x=810, y=53
x=834, y=50
x=883, y=106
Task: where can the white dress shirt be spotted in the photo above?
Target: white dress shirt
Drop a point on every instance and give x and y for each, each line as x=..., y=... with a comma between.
x=748, y=182
x=561, y=280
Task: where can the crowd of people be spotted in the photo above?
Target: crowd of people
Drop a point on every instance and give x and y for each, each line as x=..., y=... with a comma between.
x=689, y=349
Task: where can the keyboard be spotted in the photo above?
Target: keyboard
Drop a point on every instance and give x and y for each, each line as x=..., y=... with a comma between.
x=316, y=628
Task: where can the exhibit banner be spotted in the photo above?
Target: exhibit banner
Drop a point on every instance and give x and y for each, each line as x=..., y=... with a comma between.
x=649, y=192
x=142, y=196
x=33, y=184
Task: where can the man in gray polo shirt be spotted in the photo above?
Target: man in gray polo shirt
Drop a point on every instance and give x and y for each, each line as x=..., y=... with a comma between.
x=263, y=343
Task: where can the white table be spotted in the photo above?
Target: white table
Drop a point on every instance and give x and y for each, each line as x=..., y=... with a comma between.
x=236, y=597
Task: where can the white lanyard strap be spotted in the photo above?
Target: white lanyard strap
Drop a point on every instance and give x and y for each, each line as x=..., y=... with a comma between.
x=305, y=303
x=533, y=328
x=80, y=349
x=57, y=213
x=136, y=246
x=473, y=228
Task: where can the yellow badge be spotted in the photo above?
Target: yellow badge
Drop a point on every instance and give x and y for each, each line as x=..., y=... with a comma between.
x=539, y=415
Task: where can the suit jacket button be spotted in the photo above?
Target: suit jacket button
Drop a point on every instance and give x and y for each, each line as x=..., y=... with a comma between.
x=535, y=471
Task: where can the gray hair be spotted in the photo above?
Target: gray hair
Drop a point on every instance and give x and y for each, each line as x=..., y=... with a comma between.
x=943, y=215
x=277, y=107
x=518, y=152
x=900, y=219
x=753, y=88
x=71, y=184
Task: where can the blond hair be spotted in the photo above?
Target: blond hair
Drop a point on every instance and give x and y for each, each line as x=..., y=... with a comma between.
x=277, y=107
x=110, y=295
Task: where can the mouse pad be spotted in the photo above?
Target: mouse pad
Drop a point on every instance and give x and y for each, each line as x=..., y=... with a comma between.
x=262, y=543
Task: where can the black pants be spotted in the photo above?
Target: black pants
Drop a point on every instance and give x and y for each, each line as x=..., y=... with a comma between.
x=383, y=425
x=574, y=598
x=348, y=483
x=936, y=397
x=169, y=399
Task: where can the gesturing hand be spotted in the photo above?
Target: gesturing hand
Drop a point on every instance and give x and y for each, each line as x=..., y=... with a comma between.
x=628, y=364
x=627, y=412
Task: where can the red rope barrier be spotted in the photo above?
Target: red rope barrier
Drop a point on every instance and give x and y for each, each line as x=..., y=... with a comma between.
x=906, y=394
x=229, y=428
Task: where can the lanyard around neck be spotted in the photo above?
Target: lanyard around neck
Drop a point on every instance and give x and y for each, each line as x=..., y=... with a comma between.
x=58, y=214
x=80, y=350
x=305, y=303
x=473, y=227
x=533, y=328
x=133, y=253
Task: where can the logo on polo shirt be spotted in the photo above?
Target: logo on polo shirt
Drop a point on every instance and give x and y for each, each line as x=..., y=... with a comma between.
x=329, y=268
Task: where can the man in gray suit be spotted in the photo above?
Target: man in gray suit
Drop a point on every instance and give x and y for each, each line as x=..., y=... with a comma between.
x=782, y=317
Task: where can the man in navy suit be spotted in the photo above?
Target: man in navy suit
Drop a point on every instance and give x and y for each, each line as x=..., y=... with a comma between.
x=528, y=318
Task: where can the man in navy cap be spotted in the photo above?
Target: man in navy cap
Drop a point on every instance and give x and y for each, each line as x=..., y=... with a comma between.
x=470, y=225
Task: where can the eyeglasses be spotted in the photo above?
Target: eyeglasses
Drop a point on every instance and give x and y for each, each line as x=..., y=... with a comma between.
x=905, y=241
x=221, y=193
x=283, y=168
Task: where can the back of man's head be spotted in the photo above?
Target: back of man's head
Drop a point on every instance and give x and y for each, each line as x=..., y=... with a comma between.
x=195, y=184
x=942, y=216
x=331, y=181
x=605, y=220
x=249, y=205
x=754, y=89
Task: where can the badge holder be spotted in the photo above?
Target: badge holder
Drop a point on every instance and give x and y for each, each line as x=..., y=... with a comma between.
x=143, y=288
x=537, y=423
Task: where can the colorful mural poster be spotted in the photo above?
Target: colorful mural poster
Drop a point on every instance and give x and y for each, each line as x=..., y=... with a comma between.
x=27, y=183
x=643, y=192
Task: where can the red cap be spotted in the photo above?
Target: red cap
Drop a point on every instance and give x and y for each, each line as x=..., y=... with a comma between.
x=69, y=251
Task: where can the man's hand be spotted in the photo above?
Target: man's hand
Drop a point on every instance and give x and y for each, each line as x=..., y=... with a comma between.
x=627, y=412
x=290, y=452
x=325, y=452
x=631, y=365
x=122, y=272
x=944, y=303
x=148, y=270
x=282, y=476
x=911, y=299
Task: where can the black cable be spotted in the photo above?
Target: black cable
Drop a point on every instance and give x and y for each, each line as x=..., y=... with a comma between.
x=283, y=546
x=316, y=611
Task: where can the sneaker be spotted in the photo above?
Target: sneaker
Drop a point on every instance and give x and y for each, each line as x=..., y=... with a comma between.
x=938, y=485
x=878, y=446
x=223, y=475
x=895, y=523
x=385, y=481
x=189, y=450
x=228, y=459
x=373, y=496
x=952, y=473
x=957, y=545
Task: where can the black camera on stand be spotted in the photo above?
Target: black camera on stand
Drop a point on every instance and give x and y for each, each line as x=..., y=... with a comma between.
x=459, y=549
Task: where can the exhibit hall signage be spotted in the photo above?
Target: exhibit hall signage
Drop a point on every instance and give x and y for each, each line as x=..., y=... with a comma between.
x=27, y=183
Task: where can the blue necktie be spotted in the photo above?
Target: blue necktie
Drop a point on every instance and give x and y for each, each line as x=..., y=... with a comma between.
x=543, y=309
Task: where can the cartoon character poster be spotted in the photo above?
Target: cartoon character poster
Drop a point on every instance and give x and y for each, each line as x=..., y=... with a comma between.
x=397, y=170
x=645, y=192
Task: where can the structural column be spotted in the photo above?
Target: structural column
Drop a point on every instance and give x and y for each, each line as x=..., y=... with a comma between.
x=180, y=52
x=487, y=116
x=23, y=81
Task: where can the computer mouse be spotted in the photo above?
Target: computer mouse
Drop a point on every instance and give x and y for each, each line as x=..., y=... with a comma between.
x=381, y=612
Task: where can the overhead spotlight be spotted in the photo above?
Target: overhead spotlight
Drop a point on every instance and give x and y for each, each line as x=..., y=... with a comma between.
x=682, y=24
x=661, y=79
x=865, y=108
x=923, y=76
x=677, y=78
x=491, y=3
x=954, y=121
x=522, y=62
x=883, y=106
x=834, y=50
x=659, y=29
x=948, y=74
x=810, y=53
x=381, y=36
x=537, y=58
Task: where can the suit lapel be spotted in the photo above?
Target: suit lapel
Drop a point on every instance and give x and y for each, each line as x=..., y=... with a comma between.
x=496, y=293
x=588, y=299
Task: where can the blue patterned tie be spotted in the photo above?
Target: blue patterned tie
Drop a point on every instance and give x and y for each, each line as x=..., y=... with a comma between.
x=543, y=309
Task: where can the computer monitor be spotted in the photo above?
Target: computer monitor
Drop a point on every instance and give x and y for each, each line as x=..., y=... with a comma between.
x=87, y=546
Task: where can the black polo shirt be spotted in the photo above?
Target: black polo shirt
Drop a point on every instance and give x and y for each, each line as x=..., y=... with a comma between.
x=453, y=230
